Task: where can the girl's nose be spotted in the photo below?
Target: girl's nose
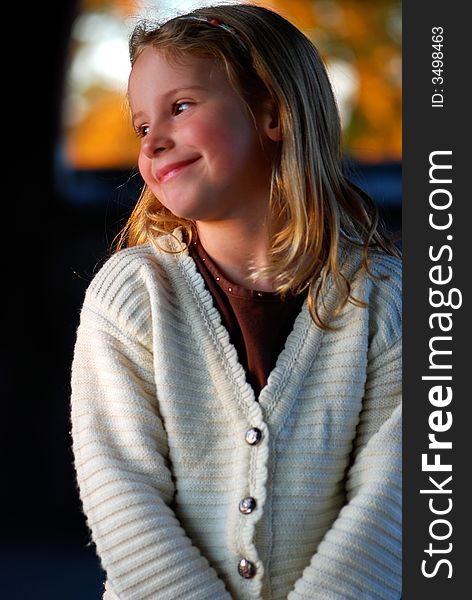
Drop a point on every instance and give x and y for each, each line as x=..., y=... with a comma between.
x=155, y=142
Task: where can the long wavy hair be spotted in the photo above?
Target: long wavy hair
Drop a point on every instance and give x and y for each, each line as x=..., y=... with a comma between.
x=267, y=57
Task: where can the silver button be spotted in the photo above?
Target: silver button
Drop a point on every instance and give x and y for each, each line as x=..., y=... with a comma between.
x=246, y=569
x=253, y=436
x=247, y=505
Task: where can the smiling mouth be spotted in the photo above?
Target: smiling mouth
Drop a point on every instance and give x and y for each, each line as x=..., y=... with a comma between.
x=173, y=170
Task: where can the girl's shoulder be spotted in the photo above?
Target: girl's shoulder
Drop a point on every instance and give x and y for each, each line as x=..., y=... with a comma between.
x=385, y=264
x=386, y=275
x=379, y=287
x=382, y=268
x=131, y=279
x=122, y=270
x=384, y=298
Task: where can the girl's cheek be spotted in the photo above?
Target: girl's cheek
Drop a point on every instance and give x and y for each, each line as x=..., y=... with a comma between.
x=141, y=162
x=144, y=167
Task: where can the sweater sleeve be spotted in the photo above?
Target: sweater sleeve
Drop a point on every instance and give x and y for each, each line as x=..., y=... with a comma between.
x=360, y=556
x=124, y=477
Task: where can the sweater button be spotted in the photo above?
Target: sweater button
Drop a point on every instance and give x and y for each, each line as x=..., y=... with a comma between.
x=253, y=436
x=247, y=505
x=246, y=569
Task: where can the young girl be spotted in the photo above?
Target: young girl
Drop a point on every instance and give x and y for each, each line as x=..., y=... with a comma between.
x=237, y=371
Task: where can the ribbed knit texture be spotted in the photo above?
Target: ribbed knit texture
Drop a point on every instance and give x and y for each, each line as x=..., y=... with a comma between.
x=160, y=407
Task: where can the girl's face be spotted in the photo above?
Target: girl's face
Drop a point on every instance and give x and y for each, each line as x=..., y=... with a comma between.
x=202, y=154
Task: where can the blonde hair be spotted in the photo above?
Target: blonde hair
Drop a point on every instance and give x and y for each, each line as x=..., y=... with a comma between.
x=266, y=57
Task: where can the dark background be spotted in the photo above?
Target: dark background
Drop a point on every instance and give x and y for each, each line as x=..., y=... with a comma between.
x=57, y=230
x=49, y=248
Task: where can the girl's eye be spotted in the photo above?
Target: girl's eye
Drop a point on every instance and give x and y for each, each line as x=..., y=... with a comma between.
x=180, y=107
x=142, y=131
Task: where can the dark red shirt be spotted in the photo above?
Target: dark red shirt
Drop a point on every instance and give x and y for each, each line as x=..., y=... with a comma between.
x=258, y=323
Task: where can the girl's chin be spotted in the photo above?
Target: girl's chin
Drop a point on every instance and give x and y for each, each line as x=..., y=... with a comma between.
x=191, y=211
x=188, y=213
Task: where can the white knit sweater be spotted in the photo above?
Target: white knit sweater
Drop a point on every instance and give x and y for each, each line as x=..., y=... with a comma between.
x=160, y=409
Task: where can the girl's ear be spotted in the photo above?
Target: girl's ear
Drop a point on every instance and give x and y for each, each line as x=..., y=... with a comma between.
x=270, y=121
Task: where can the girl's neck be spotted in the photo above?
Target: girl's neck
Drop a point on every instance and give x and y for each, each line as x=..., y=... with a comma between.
x=237, y=248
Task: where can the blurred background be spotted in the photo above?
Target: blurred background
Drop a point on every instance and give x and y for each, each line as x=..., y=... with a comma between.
x=69, y=184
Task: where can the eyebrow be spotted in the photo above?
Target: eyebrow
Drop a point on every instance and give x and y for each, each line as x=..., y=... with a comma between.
x=184, y=88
